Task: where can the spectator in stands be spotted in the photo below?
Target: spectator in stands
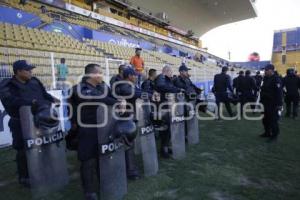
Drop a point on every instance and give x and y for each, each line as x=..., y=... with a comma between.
x=62, y=73
x=43, y=9
x=138, y=63
x=23, y=2
x=202, y=58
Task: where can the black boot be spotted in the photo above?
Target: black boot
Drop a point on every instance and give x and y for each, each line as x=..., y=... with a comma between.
x=265, y=135
x=164, y=152
x=90, y=196
x=22, y=168
x=24, y=182
x=131, y=166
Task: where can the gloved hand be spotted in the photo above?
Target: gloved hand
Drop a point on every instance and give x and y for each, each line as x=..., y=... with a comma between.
x=126, y=130
x=182, y=90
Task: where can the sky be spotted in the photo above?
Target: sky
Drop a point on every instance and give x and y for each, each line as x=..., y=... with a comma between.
x=253, y=35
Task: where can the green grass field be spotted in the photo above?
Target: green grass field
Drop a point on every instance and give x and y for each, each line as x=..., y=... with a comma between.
x=230, y=163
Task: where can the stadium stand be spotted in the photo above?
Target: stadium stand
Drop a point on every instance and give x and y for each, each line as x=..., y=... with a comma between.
x=286, y=49
x=35, y=45
x=19, y=42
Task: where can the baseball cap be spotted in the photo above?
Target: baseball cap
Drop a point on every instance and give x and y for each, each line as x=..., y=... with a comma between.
x=128, y=71
x=224, y=69
x=184, y=68
x=269, y=67
x=22, y=65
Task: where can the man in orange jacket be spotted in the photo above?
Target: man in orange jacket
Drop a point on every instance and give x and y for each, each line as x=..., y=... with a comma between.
x=138, y=64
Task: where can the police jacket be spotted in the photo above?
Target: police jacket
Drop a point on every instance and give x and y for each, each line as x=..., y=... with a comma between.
x=14, y=94
x=237, y=83
x=84, y=92
x=187, y=85
x=248, y=85
x=148, y=86
x=271, y=91
x=292, y=84
x=115, y=79
x=258, y=80
x=222, y=83
x=164, y=85
x=127, y=89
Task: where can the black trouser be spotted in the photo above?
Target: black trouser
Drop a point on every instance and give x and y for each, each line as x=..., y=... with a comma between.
x=89, y=172
x=165, y=137
x=131, y=165
x=223, y=98
x=292, y=100
x=227, y=106
x=247, y=97
x=21, y=161
x=270, y=121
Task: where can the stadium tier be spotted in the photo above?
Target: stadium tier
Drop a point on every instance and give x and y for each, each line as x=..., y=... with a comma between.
x=286, y=49
x=63, y=33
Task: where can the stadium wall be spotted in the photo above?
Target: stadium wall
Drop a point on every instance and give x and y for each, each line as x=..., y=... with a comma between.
x=252, y=65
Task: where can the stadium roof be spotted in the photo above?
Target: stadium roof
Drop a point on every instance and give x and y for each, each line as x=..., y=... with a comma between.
x=200, y=16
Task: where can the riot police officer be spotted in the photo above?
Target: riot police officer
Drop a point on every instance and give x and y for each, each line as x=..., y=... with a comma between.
x=119, y=76
x=22, y=90
x=291, y=84
x=164, y=85
x=91, y=89
x=248, y=88
x=222, y=83
x=183, y=81
x=125, y=89
x=148, y=85
x=237, y=84
x=271, y=98
x=258, y=80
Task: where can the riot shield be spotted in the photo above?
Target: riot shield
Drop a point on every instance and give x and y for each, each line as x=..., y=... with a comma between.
x=45, y=153
x=113, y=180
x=192, y=126
x=177, y=125
x=137, y=145
x=146, y=137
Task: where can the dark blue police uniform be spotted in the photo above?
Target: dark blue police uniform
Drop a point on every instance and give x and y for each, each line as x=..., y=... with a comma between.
x=164, y=85
x=127, y=89
x=222, y=83
x=292, y=85
x=115, y=79
x=148, y=86
x=15, y=94
x=271, y=98
x=87, y=137
x=248, y=88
